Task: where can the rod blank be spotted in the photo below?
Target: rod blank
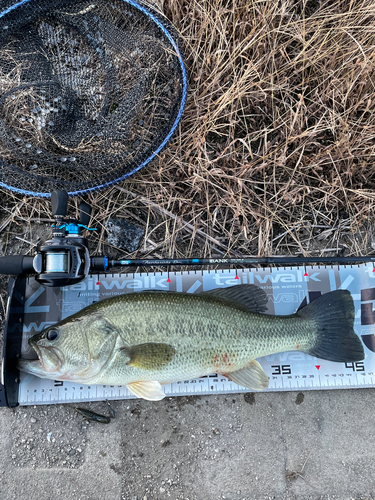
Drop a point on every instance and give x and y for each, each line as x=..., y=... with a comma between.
x=254, y=261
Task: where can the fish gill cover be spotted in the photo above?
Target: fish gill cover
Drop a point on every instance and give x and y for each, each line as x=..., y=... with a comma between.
x=89, y=93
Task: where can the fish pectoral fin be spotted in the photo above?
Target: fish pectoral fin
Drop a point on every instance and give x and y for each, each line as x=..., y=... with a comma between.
x=252, y=377
x=149, y=356
x=150, y=390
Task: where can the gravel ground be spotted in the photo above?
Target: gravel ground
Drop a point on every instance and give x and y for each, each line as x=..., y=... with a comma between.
x=312, y=445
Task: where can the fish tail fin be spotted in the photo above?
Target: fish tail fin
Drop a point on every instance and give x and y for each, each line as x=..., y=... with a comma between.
x=333, y=315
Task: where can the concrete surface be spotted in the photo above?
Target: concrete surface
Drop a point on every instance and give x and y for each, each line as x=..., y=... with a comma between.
x=311, y=445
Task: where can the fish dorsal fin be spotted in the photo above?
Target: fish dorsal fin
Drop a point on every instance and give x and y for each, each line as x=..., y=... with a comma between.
x=150, y=356
x=251, y=296
x=252, y=377
x=150, y=390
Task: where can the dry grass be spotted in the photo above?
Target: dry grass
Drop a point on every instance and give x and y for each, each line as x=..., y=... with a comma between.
x=275, y=152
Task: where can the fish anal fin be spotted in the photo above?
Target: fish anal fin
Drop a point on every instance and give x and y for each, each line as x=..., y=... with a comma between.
x=150, y=390
x=149, y=356
x=252, y=377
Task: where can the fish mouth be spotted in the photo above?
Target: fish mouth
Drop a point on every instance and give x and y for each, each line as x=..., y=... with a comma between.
x=50, y=360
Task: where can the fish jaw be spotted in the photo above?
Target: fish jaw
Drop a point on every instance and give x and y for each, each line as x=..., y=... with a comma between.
x=37, y=368
x=33, y=367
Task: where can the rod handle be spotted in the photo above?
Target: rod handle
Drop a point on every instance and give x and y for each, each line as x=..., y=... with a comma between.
x=16, y=264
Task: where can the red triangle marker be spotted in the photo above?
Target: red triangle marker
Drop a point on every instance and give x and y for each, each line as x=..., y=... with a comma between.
x=236, y=278
x=373, y=270
x=305, y=274
x=317, y=367
x=169, y=281
x=98, y=283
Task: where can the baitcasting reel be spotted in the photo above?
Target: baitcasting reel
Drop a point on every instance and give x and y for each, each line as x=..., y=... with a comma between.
x=64, y=259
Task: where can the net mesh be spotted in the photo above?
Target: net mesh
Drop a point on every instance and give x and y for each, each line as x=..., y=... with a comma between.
x=90, y=91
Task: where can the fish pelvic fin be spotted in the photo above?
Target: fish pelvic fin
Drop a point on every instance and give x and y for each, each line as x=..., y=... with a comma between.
x=150, y=390
x=333, y=315
x=252, y=377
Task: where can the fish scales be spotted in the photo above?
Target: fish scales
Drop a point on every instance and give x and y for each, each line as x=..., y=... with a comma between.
x=145, y=339
x=207, y=335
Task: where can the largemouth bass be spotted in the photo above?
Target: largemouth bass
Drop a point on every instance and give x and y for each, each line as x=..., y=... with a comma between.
x=146, y=339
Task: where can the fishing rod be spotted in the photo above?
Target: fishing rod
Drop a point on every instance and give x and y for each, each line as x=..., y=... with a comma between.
x=65, y=259
x=100, y=263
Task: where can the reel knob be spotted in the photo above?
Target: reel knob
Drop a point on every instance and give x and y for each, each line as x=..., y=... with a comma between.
x=84, y=213
x=59, y=202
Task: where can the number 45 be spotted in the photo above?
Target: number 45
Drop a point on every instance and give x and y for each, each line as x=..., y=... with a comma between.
x=356, y=367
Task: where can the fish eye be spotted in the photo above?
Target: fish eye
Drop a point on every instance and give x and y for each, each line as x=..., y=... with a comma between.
x=52, y=334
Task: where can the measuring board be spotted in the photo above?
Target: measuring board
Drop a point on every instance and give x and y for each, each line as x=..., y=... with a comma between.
x=287, y=290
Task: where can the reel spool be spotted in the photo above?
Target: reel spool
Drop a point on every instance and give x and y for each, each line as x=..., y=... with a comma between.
x=90, y=92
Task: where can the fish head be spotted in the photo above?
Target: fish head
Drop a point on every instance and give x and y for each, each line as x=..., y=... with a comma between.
x=63, y=350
